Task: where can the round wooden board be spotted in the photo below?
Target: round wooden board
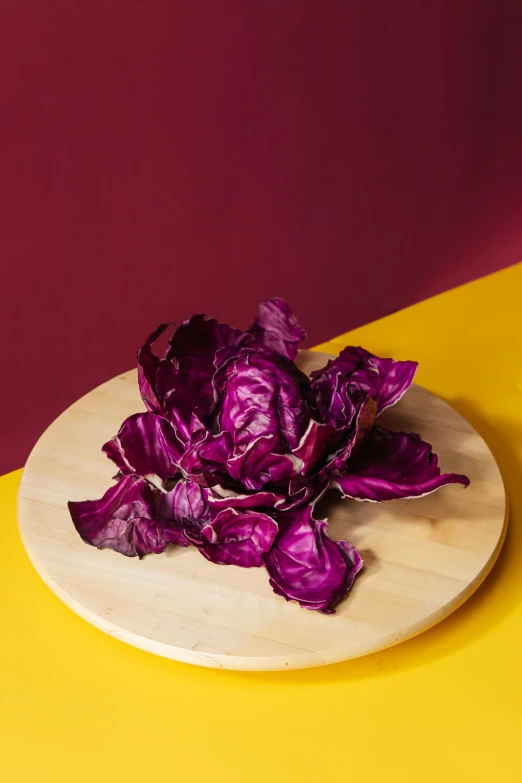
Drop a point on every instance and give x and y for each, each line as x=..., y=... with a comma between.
x=422, y=557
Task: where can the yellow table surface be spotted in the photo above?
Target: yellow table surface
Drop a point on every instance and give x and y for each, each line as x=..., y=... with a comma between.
x=76, y=705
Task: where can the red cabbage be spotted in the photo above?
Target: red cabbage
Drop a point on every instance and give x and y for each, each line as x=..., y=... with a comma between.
x=391, y=465
x=146, y=445
x=123, y=520
x=236, y=537
x=276, y=328
x=238, y=446
x=183, y=511
x=356, y=369
x=263, y=394
x=305, y=565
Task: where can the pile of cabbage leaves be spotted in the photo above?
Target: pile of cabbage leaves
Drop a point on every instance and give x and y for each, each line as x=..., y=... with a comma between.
x=237, y=446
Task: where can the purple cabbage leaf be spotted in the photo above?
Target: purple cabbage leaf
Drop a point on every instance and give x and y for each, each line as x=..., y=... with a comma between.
x=391, y=465
x=147, y=446
x=236, y=537
x=357, y=370
x=123, y=519
x=276, y=328
x=306, y=566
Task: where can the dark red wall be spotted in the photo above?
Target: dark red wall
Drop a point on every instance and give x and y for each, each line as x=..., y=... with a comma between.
x=159, y=158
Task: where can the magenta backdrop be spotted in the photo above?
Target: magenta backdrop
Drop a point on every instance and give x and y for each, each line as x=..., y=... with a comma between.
x=159, y=158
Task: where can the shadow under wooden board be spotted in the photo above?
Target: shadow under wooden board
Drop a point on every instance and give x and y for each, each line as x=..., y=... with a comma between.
x=423, y=557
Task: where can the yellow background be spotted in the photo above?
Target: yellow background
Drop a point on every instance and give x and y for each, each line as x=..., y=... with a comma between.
x=76, y=705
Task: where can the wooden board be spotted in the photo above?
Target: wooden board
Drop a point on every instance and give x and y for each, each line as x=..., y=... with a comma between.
x=422, y=557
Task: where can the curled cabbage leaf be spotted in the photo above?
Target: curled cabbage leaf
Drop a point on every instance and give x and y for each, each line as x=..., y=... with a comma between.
x=306, y=566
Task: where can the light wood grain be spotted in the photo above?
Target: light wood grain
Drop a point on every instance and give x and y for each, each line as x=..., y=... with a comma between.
x=423, y=557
